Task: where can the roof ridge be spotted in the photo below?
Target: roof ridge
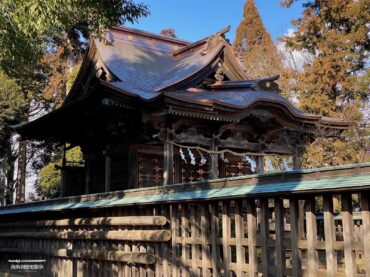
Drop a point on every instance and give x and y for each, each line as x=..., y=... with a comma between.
x=150, y=34
x=200, y=42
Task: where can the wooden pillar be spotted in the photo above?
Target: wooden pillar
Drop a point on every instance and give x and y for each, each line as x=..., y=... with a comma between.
x=297, y=164
x=295, y=236
x=87, y=176
x=133, y=168
x=280, y=234
x=365, y=207
x=63, y=185
x=297, y=158
x=312, y=256
x=213, y=167
x=347, y=220
x=260, y=164
x=167, y=161
x=108, y=169
x=264, y=235
x=329, y=229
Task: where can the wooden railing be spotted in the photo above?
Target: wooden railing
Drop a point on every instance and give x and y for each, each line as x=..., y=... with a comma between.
x=319, y=226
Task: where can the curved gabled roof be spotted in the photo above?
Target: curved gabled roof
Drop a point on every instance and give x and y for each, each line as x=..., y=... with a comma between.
x=142, y=69
x=149, y=67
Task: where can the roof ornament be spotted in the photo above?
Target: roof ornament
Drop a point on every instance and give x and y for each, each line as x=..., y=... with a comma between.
x=108, y=38
x=219, y=74
x=213, y=40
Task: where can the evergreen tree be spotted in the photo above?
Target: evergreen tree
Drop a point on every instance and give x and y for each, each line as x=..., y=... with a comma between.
x=255, y=45
x=336, y=81
x=40, y=42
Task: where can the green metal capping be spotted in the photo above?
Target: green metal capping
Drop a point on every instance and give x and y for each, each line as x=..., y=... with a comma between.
x=340, y=181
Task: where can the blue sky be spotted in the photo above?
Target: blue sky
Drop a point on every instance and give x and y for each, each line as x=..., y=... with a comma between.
x=195, y=19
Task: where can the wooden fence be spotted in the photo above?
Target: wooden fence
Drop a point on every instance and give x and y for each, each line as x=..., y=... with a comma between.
x=308, y=230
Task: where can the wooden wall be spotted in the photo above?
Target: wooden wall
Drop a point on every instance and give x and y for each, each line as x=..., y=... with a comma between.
x=301, y=235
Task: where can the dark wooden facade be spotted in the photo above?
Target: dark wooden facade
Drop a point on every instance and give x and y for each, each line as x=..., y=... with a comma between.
x=140, y=100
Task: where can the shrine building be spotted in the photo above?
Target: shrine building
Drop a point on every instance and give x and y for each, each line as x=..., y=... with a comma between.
x=148, y=110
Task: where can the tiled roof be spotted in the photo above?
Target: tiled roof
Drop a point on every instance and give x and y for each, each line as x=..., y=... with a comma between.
x=146, y=67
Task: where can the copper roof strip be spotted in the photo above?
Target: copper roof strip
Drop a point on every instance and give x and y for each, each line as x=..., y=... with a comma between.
x=199, y=42
x=150, y=35
x=215, y=55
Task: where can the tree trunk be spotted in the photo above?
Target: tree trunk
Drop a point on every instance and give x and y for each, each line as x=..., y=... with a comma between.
x=21, y=172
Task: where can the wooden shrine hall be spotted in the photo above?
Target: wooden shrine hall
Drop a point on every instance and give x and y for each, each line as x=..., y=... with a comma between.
x=172, y=133
x=148, y=110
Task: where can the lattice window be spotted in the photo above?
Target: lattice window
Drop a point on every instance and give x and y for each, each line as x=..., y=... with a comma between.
x=193, y=173
x=234, y=168
x=150, y=170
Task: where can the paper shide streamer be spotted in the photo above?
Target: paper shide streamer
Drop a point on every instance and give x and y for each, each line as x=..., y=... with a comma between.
x=252, y=162
x=222, y=156
x=182, y=155
x=192, y=157
x=203, y=160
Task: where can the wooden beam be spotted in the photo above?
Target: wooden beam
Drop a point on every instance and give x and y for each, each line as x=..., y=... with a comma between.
x=96, y=221
x=255, y=147
x=130, y=235
x=116, y=256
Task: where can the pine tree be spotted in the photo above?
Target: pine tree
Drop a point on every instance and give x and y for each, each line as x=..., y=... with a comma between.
x=255, y=45
x=336, y=81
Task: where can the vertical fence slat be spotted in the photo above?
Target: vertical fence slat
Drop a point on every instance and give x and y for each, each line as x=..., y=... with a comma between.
x=295, y=235
x=238, y=236
x=174, y=231
x=365, y=205
x=205, y=240
x=347, y=222
x=184, y=233
x=329, y=229
x=194, y=234
x=312, y=262
x=225, y=236
x=252, y=230
x=214, y=237
x=264, y=235
x=165, y=250
x=279, y=232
